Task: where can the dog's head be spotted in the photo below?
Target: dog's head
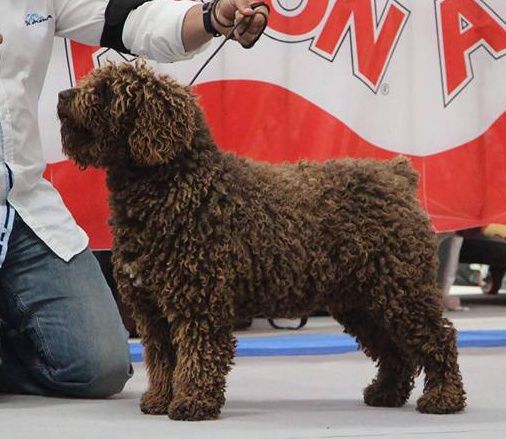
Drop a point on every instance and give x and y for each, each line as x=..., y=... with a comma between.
x=126, y=112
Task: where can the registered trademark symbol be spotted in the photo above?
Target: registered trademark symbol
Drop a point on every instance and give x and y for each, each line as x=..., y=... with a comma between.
x=385, y=89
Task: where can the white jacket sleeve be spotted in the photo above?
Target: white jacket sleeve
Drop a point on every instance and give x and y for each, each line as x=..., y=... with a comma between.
x=153, y=30
x=80, y=20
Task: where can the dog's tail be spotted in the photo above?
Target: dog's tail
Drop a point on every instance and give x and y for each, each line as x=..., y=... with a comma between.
x=402, y=167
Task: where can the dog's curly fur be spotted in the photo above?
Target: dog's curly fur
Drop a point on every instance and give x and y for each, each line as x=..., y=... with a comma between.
x=195, y=229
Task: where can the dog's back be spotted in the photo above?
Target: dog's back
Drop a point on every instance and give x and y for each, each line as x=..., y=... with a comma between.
x=299, y=230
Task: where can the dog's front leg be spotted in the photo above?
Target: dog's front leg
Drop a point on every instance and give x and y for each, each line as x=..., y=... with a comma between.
x=160, y=359
x=153, y=329
x=205, y=349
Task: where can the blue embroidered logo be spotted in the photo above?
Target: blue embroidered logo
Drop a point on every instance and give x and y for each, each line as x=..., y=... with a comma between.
x=34, y=18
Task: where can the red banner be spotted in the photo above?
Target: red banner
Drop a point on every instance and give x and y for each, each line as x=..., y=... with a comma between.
x=351, y=79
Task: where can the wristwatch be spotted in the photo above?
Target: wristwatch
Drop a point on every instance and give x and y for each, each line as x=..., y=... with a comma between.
x=206, y=15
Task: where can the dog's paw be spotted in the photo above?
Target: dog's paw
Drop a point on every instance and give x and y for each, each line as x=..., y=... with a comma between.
x=193, y=408
x=442, y=400
x=377, y=395
x=154, y=403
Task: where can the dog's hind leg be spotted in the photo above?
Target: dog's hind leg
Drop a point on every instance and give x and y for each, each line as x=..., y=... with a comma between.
x=205, y=350
x=396, y=372
x=443, y=391
x=420, y=331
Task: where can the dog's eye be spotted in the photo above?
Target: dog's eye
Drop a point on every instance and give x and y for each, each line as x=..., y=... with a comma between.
x=103, y=91
x=108, y=95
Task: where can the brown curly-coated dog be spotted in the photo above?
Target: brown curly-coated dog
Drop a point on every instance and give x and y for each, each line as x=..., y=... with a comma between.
x=195, y=229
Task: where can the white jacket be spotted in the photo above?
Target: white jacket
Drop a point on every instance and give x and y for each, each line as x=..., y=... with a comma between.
x=28, y=28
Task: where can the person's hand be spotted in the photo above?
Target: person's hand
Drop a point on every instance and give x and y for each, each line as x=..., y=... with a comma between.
x=228, y=13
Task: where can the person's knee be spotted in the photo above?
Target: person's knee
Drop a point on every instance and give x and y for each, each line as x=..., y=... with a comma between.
x=107, y=380
x=95, y=376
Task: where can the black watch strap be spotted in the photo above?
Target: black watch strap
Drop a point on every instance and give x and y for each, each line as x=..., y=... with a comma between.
x=206, y=15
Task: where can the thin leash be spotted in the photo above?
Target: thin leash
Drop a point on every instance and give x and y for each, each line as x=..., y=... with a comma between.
x=231, y=36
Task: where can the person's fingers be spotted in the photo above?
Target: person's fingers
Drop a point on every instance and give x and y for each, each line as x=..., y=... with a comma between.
x=225, y=11
x=250, y=22
x=251, y=28
x=243, y=22
x=257, y=24
x=243, y=7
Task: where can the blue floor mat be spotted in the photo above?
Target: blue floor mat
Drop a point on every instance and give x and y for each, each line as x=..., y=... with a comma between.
x=327, y=344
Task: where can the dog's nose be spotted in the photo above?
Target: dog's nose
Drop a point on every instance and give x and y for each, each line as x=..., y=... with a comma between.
x=66, y=94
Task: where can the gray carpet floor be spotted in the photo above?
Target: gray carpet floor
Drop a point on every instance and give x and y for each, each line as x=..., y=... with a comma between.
x=285, y=398
x=275, y=398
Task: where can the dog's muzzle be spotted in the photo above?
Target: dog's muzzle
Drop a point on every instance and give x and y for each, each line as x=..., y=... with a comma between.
x=64, y=97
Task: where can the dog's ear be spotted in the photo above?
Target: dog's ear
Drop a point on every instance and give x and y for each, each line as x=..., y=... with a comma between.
x=165, y=122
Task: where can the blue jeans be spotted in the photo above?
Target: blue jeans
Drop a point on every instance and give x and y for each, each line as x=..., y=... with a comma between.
x=61, y=333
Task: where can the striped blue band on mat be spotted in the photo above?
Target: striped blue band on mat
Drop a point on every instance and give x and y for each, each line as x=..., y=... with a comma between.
x=300, y=344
